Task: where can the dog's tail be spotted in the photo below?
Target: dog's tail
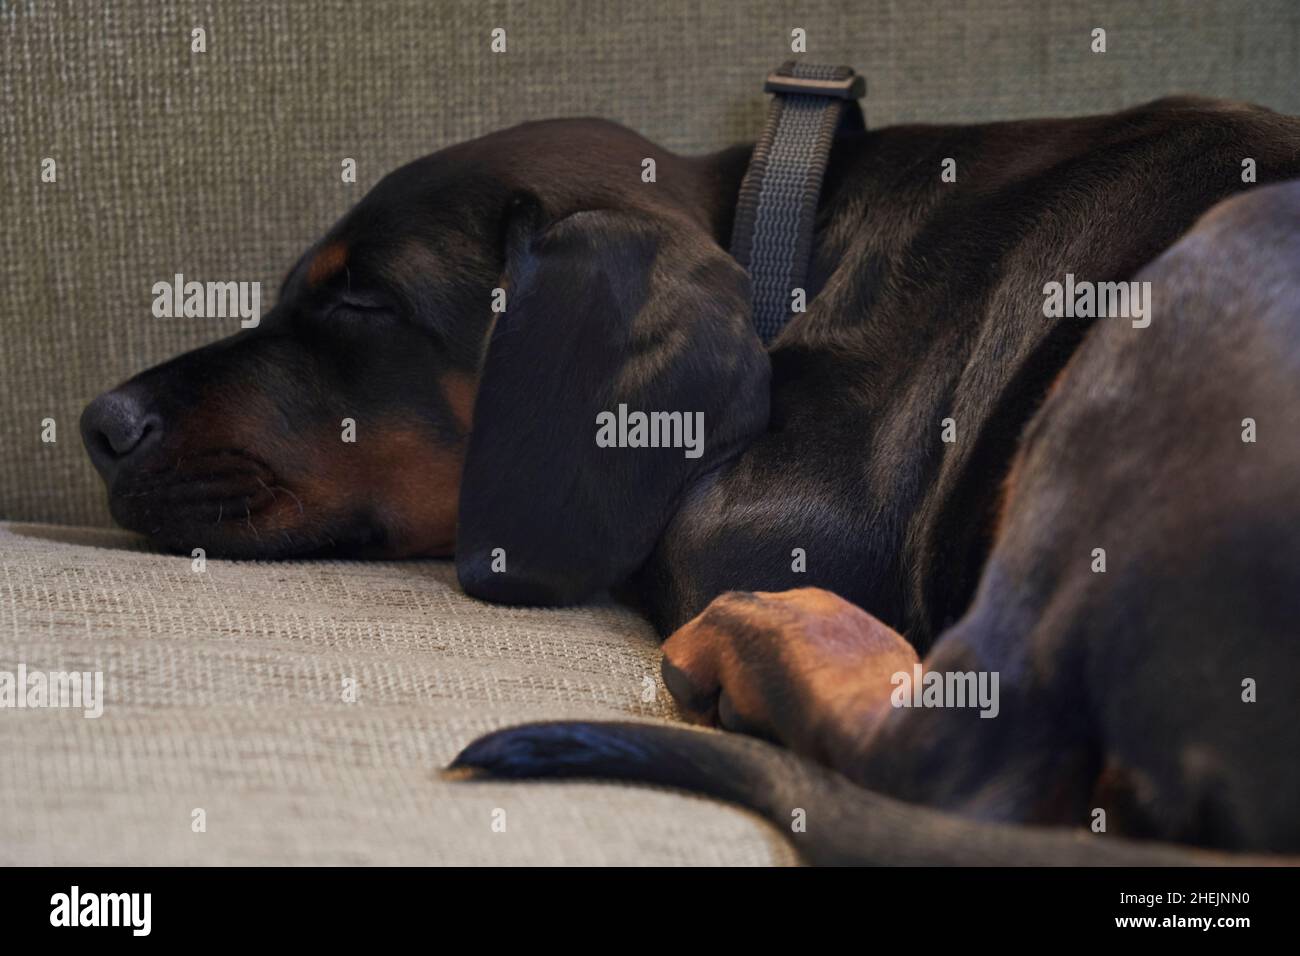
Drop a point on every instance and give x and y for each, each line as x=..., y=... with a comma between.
x=830, y=820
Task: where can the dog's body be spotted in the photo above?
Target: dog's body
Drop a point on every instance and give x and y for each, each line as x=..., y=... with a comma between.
x=881, y=470
x=928, y=306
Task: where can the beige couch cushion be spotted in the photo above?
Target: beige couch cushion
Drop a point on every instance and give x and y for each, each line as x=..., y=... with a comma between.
x=223, y=691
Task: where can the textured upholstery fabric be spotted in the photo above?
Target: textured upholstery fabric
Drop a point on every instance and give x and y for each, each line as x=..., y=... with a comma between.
x=223, y=691
x=224, y=165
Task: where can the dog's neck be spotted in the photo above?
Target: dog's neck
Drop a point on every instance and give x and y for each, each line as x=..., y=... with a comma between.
x=722, y=173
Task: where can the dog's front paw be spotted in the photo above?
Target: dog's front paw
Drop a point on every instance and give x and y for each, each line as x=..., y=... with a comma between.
x=804, y=668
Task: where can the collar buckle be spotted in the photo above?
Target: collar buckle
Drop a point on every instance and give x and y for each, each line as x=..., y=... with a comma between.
x=851, y=87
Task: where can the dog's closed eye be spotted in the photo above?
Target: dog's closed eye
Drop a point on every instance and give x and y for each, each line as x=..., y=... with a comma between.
x=351, y=307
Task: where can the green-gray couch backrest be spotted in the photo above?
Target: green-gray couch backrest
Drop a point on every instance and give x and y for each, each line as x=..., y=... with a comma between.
x=226, y=164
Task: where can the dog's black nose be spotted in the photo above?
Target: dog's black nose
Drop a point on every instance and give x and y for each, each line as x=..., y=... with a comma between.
x=115, y=427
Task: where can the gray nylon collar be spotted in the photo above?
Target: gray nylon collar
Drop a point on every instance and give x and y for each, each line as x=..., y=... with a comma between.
x=777, y=205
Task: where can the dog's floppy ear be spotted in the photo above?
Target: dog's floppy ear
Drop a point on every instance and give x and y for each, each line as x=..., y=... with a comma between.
x=608, y=314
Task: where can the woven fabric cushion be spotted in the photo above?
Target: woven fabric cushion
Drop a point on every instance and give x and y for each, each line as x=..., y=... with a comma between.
x=224, y=691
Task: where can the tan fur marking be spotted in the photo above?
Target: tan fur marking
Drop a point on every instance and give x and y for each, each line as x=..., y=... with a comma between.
x=327, y=263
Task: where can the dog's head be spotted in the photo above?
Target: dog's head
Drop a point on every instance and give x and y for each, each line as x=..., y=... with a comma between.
x=385, y=408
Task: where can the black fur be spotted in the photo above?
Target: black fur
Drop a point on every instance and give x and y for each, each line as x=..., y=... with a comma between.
x=926, y=305
x=929, y=305
x=1134, y=675
x=647, y=312
x=844, y=825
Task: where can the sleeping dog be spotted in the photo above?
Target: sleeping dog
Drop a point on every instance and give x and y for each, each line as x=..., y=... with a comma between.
x=935, y=470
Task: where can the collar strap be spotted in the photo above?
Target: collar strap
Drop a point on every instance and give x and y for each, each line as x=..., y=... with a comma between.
x=777, y=206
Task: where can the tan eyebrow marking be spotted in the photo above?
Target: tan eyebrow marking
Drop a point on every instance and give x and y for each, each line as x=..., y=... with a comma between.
x=327, y=262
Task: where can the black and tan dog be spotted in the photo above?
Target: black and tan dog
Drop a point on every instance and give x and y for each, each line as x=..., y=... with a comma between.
x=922, y=452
